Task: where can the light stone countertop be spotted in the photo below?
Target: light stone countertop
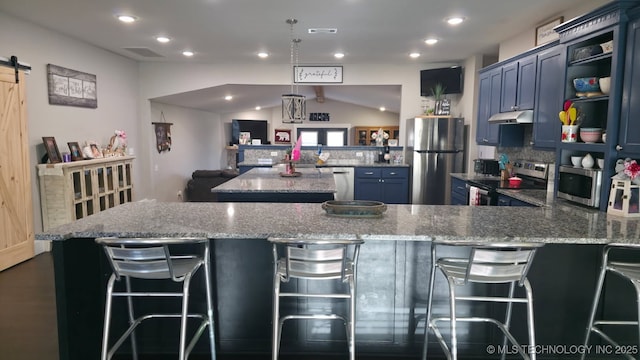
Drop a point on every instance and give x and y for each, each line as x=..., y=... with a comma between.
x=553, y=224
x=269, y=180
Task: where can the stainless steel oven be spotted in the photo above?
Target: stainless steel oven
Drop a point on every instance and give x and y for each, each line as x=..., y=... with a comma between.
x=481, y=195
x=580, y=185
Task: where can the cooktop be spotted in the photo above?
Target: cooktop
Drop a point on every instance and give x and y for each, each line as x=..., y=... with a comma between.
x=532, y=173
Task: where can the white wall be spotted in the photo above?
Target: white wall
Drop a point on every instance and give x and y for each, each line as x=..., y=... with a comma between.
x=117, y=79
x=195, y=139
x=526, y=40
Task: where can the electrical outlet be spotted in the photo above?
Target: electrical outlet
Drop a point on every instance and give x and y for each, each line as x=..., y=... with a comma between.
x=274, y=153
x=180, y=194
x=359, y=154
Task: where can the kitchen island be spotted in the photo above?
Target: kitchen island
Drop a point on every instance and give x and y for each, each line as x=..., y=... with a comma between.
x=272, y=184
x=392, y=278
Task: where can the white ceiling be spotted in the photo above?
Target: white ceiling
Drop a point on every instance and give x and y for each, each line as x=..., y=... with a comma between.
x=233, y=31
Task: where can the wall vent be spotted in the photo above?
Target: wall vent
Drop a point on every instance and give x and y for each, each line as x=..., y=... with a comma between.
x=323, y=31
x=144, y=52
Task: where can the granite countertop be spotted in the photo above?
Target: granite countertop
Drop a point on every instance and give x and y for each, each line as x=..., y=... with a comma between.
x=552, y=224
x=335, y=163
x=269, y=180
x=531, y=196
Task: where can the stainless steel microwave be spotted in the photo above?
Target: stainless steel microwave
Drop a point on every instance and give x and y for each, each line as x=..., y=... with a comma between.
x=580, y=185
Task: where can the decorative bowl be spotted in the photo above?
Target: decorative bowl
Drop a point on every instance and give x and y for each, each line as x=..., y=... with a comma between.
x=590, y=135
x=607, y=47
x=576, y=161
x=354, y=208
x=514, y=182
x=605, y=84
x=586, y=84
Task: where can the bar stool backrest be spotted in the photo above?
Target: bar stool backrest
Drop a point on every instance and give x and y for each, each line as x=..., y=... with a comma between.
x=316, y=259
x=308, y=262
x=143, y=258
x=500, y=263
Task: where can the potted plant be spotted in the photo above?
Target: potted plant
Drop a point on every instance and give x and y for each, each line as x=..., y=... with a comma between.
x=438, y=94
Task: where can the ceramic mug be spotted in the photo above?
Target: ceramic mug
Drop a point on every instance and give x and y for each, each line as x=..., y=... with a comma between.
x=569, y=133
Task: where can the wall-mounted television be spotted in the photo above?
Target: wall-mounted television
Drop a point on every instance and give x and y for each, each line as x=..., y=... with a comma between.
x=450, y=78
x=257, y=129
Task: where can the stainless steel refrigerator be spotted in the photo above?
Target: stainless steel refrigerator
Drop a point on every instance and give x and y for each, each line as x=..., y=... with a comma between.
x=435, y=148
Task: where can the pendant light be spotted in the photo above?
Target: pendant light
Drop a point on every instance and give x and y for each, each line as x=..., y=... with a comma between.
x=293, y=104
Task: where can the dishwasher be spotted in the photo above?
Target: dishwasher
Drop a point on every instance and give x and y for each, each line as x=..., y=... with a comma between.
x=344, y=178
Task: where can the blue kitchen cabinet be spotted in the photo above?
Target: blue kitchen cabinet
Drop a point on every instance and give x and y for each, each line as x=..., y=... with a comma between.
x=488, y=104
x=459, y=193
x=629, y=130
x=387, y=184
x=518, y=84
x=548, y=97
x=504, y=200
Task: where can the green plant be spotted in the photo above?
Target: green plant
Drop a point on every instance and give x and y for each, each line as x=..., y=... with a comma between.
x=438, y=91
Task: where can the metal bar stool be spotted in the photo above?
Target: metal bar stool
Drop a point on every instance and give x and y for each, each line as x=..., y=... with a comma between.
x=487, y=263
x=627, y=270
x=315, y=260
x=152, y=259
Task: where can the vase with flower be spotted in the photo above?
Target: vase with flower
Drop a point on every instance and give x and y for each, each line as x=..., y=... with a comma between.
x=380, y=137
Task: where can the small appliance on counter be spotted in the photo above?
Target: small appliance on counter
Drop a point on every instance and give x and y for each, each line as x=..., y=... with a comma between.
x=532, y=174
x=486, y=167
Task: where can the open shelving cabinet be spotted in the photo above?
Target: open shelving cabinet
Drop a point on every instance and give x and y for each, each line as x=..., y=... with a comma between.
x=74, y=190
x=606, y=24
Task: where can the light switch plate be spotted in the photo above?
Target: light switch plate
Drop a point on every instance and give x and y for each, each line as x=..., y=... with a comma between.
x=359, y=154
x=274, y=153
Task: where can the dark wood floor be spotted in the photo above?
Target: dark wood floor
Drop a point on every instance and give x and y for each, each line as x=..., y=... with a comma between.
x=28, y=327
x=28, y=311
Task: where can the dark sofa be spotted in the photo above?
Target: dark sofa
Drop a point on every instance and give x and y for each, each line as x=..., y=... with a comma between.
x=199, y=187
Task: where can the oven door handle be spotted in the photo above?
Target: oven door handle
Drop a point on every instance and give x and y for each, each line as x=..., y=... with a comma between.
x=480, y=190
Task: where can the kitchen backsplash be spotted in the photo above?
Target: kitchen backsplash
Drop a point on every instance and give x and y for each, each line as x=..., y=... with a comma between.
x=527, y=152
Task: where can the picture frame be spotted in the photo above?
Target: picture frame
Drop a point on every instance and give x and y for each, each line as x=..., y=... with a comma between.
x=71, y=88
x=317, y=74
x=51, y=147
x=393, y=142
x=282, y=136
x=75, y=150
x=545, y=32
x=95, y=150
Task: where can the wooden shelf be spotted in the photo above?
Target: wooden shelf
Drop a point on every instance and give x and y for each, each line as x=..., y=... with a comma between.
x=362, y=134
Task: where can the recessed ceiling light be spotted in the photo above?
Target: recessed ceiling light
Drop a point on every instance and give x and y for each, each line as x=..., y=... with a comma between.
x=163, y=39
x=263, y=55
x=414, y=55
x=454, y=20
x=338, y=55
x=258, y=108
x=228, y=97
x=127, y=18
x=382, y=108
x=431, y=41
x=188, y=53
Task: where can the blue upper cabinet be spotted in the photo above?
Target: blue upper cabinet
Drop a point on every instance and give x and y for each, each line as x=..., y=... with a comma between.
x=548, y=97
x=518, y=85
x=488, y=104
x=629, y=131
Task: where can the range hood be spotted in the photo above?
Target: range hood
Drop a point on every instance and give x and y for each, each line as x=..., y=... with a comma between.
x=512, y=117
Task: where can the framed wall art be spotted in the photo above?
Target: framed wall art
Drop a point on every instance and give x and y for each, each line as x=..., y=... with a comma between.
x=282, y=136
x=71, y=87
x=52, y=149
x=545, y=32
x=317, y=74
